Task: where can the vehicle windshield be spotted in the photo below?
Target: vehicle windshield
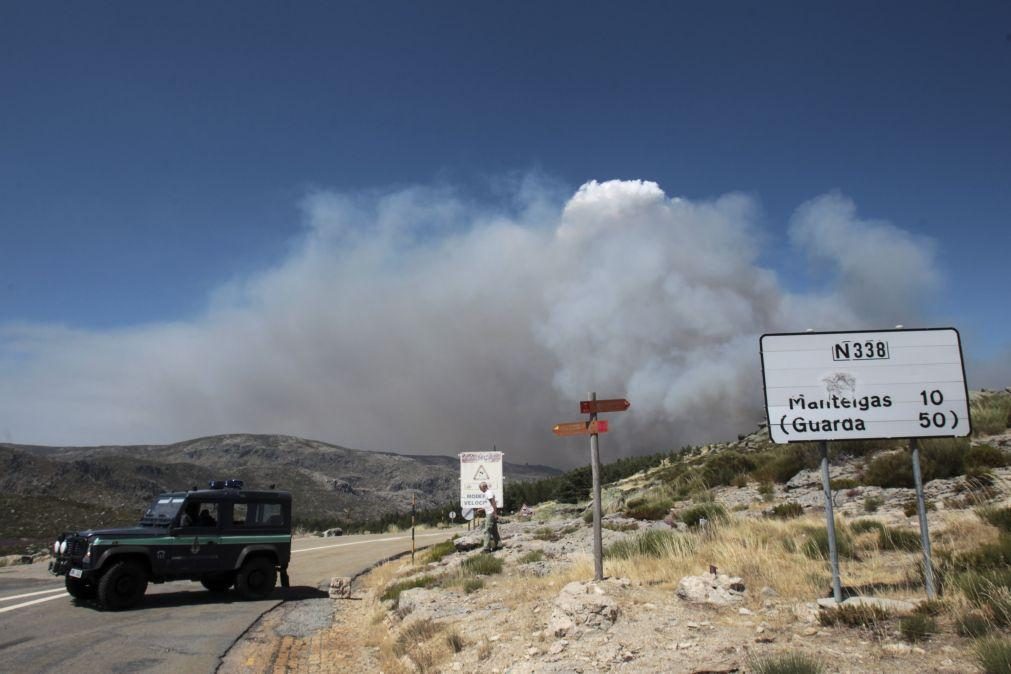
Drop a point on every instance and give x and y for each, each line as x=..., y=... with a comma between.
x=162, y=511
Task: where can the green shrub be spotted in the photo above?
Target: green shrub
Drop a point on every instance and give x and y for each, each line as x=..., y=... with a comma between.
x=711, y=512
x=786, y=663
x=843, y=483
x=872, y=503
x=917, y=627
x=658, y=543
x=788, y=510
x=890, y=470
x=863, y=526
x=546, y=534
x=973, y=625
x=996, y=555
x=989, y=590
x=648, y=508
x=393, y=591
x=815, y=545
x=986, y=455
x=724, y=467
x=783, y=463
x=532, y=556
x=993, y=655
x=854, y=615
x=998, y=517
x=436, y=552
x=414, y=633
x=481, y=564
x=898, y=539
x=472, y=585
x=910, y=507
x=766, y=490
x=991, y=414
x=588, y=516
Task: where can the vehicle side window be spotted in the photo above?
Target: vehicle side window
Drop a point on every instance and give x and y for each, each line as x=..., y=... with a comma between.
x=199, y=514
x=239, y=514
x=265, y=515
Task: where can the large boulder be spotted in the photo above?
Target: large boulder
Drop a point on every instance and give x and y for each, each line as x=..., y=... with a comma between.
x=581, y=607
x=710, y=588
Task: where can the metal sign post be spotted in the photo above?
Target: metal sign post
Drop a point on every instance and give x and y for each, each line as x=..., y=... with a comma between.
x=921, y=507
x=833, y=551
x=414, y=499
x=598, y=547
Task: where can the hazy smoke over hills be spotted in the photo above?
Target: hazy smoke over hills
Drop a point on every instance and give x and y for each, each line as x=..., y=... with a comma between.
x=420, y=321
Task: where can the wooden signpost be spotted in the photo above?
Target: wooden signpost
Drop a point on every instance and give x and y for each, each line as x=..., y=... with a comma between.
x=593, y=427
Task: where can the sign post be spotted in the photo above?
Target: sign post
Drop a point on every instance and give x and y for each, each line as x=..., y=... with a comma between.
x=593, y=427
x=822, y=386
x=833, y=551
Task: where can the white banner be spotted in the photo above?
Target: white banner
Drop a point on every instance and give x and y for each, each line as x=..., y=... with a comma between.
x=478, y=467
x=851, y=385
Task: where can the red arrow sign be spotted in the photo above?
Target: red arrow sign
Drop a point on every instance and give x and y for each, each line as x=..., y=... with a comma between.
x=596, y=406
x=581, y=428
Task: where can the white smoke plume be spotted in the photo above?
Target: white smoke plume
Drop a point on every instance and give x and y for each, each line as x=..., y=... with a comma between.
x=419, y=321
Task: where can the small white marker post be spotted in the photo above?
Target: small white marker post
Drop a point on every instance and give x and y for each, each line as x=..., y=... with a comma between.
x=833, y=551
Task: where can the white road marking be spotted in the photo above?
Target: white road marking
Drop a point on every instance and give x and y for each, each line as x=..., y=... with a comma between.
x=34, y=601
x=375, y=540
x=30, y=594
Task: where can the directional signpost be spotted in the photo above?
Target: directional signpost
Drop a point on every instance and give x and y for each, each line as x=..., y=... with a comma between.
x=822, y=386
x=593, y=427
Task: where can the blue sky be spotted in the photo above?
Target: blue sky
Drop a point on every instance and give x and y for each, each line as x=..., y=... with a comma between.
x=154, y=154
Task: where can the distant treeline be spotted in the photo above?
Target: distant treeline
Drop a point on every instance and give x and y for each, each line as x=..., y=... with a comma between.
x=570, y=487
x=576, y=484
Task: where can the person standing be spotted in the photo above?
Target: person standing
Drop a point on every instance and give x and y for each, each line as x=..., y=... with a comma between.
x=491, y=537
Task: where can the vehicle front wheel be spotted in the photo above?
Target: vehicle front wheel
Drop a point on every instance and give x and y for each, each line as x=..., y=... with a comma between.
x=256, y=578
x=80, y=589
x=123, y=585
x=218, y=582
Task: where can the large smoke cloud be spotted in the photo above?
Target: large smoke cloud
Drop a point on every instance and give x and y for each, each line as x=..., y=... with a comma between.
x=420, y=321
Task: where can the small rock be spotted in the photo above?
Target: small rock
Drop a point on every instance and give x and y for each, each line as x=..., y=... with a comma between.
x=495, y=637
x=809, y=631
x=897, y=649
x=744, y=611
x=558, y=647
x=533, y=650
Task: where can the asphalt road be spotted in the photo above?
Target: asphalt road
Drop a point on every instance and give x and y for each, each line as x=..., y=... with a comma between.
x=180, y=627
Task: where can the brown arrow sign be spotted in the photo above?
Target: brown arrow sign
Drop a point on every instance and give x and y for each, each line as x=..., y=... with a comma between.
x=581, y=428
x=597, y=406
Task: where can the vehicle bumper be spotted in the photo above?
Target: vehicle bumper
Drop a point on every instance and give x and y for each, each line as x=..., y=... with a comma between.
x=64, y=567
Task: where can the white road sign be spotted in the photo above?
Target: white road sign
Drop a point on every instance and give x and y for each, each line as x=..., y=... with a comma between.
x=851, y=385
x=475, y=468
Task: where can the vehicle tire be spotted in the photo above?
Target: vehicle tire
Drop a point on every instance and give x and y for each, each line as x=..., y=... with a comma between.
x=218, y=582
x=256, y=578
x=80, y=589
x=123, y=585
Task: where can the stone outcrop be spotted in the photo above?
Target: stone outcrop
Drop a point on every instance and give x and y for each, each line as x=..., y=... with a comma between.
x=711, y=588
x=580, y=607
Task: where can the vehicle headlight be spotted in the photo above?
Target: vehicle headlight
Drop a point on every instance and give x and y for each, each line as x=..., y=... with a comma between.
x=56, y=547
x=63, y=547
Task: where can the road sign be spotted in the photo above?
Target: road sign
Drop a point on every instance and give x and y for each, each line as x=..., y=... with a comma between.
x=478, y=467
x=452, y=514
x=873, y=384
x=598, y=406
x=581, y=428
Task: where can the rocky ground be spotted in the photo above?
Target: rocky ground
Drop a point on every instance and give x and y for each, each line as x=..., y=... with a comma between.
x=542, y=612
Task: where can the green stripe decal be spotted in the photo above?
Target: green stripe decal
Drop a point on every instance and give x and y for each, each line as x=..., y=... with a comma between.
x=188, y=540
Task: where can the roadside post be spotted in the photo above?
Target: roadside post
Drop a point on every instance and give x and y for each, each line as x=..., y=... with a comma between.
x=414, y=500
x=866, y=385
x=593, y=427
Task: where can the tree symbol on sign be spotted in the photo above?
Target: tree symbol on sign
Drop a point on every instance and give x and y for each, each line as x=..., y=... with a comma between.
x=481, y=474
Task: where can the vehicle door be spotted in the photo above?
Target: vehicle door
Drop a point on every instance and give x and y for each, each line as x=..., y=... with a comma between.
x=196, y=542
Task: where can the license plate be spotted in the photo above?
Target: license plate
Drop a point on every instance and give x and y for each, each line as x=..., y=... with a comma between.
x=75, y=573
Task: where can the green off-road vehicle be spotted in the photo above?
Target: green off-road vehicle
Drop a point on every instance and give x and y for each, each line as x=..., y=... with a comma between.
x=221, y=536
